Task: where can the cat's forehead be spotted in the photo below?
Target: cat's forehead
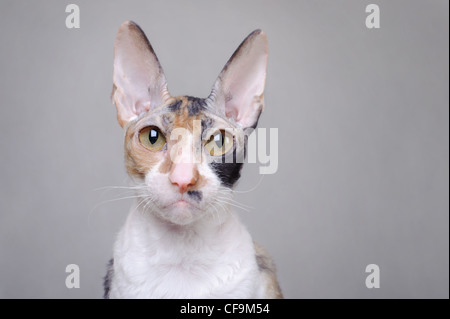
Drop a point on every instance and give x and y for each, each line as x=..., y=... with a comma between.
x=188, y=106
x=183, y=111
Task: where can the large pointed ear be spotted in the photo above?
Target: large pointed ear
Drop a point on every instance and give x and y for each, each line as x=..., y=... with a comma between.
x=139, y=81
x=238, y=91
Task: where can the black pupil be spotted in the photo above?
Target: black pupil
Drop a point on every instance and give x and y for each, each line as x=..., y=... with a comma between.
x=153, y=136
x=218, y=139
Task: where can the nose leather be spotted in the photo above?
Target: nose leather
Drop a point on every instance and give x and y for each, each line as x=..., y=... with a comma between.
x=184, y=176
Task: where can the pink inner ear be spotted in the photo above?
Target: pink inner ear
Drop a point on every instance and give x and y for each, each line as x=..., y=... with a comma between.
x=242, y=81
x=231, y=111
x=142, y=106
x=138, y=77
x=245, y=89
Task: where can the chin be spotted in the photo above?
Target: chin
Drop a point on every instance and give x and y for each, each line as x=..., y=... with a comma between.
x=180, y=214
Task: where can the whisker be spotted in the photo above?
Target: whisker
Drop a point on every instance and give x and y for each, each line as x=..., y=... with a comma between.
x=219, y=205
x=243, y=191
x=226, y=211
x=233, y=202
x=216, y=215
x=114, y=200
x=143, y=202
x=120, y=187
x=253, y=188
x=150, y=201
x=230, y=200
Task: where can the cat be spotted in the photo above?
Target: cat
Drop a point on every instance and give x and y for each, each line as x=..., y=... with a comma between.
x=181, y=238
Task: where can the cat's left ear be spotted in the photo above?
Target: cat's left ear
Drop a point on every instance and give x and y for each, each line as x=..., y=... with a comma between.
x=238, y=91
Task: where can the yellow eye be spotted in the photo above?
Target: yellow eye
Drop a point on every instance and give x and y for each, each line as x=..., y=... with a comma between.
x=219, y=143
x=152, y=138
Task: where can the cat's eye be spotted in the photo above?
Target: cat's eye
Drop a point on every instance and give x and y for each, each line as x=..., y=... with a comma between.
x=152, y=138
x=220, y=143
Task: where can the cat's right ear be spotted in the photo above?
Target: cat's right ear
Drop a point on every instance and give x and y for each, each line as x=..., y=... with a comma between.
x=139, y=81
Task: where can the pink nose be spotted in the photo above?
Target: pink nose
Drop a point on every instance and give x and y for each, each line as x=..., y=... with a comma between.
x=183, y=175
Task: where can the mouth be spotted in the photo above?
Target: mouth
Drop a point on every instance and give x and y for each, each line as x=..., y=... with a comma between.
x=181, y=203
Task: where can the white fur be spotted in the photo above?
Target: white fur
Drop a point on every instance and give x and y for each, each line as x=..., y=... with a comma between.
x=212, y=256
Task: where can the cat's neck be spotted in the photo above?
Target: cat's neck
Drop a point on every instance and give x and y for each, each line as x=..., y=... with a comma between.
x=210, y=229
x=152, y=257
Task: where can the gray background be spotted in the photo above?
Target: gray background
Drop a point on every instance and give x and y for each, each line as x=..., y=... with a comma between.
x=363, y=121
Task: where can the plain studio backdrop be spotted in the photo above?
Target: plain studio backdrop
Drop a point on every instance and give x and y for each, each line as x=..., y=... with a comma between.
x=363, y=139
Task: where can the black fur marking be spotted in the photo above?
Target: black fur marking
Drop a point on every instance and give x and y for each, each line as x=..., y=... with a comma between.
x=108, y=278
x=264, y=264
x=196, y=105
x=228, y=169
x=197, y=195
x=206, y=124
x=228, y=173
x=166, y=120
x=175, y=106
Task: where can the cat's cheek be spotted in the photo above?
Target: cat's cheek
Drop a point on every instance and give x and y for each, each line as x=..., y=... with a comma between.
x=139, y=161
x=158, y=187
x=211, y=186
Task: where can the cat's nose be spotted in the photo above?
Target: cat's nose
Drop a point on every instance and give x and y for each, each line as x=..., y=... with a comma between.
x=183, y=175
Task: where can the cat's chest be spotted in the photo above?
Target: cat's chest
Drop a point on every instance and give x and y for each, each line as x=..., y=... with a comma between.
x=190, y=279
x=195, y=268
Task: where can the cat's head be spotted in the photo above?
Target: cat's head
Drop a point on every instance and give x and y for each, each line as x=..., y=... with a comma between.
x=186, y=153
